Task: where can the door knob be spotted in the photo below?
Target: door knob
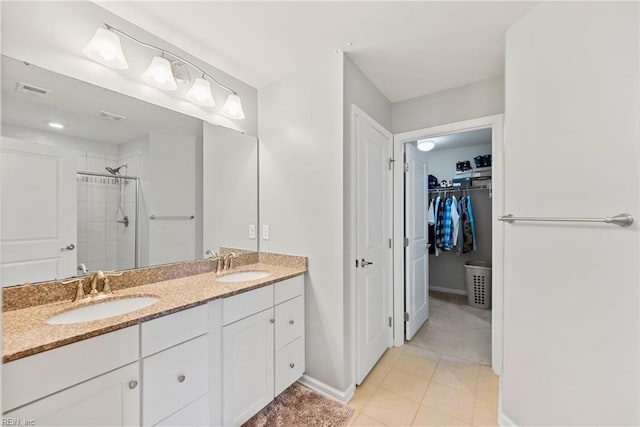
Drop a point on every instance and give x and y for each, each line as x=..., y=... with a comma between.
x=181, y=378
x=364, y=262
x=291, y=322
x=133, y=384
x=69, y=247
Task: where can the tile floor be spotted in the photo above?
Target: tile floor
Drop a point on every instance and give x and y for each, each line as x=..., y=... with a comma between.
x=412, y=386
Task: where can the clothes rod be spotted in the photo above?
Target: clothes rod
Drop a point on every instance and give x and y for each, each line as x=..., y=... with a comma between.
x=443, y=189
x=623, y=219
x=160, y=217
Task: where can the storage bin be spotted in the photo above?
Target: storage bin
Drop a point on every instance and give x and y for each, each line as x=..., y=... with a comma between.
x=478, y=283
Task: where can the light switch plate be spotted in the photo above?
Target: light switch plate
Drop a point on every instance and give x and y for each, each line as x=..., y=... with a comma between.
x=252, y=231
x=265, y=232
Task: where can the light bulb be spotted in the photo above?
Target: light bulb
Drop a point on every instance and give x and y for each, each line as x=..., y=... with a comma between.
x=159, y=74
x=200, y=93
x=233, y=108
x=105, y=48
x=426, y=145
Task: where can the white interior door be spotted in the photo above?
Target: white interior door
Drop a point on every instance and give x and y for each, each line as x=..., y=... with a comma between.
x=373, y=251
x=39, y=212
x=416, y=264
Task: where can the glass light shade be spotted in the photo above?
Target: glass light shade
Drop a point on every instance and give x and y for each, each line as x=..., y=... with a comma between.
x=233, y=108
x=426, y=145
x=200, y=93
x=105, y=48
x=159, y=74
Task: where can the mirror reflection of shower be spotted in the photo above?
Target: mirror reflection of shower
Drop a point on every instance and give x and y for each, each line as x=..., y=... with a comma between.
x=120, y=216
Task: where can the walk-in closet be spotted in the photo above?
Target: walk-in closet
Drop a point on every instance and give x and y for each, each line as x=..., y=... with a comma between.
x=458, y=213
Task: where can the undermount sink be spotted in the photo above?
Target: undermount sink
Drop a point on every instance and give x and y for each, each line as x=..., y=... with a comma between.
x=102, y=310
x=242, y=276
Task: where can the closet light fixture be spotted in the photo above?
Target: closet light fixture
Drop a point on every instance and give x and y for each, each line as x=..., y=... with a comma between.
x=105, y=48
x=426, y=144
x=56, y=125
x=162, y=73
x=159, y=74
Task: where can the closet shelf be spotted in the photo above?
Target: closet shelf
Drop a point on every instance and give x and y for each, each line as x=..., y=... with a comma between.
x=451, y=189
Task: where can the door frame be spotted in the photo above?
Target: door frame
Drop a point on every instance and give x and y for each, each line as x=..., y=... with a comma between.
x=352, y=229
x=494, y=122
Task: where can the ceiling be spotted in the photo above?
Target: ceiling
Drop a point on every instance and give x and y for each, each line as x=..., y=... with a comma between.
x=462, y=139
x=76, y=104
x=407, y=49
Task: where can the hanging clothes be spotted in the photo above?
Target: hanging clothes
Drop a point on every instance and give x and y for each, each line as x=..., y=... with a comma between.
x=472, y=222
x=447, y=226
x=431, y=227
x=455, y=219
x=439, y=220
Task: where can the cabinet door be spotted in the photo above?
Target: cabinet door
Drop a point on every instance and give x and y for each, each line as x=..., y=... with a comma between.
x=111, y=399
x=247, y=367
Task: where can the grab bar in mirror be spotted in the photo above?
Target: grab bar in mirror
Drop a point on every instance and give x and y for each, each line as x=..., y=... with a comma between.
x=160, y=217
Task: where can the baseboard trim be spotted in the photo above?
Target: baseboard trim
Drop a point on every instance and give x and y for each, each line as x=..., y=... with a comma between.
x=447, y=290
x=343, y=396
x=505, y=421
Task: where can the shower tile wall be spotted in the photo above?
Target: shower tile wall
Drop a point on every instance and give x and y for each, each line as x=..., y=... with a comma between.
x=98, y=232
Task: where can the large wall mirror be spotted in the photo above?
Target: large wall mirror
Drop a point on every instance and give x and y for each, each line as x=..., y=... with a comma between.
x=94, y=179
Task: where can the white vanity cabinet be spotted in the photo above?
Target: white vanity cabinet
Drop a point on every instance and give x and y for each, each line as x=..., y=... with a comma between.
x=175, y=369
x=91, y=382
x=262, y=347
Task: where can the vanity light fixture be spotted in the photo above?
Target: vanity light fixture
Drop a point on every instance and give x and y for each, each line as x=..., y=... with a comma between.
x=159, y=74
x=426, y=144
x=200, y=93
x=105, y=49
x=56, y=125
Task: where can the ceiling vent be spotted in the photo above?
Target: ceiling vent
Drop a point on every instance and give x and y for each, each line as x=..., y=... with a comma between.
x=30, y=89
x=110, y=116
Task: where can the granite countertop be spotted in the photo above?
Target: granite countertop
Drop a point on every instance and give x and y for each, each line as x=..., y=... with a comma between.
x=25, y=331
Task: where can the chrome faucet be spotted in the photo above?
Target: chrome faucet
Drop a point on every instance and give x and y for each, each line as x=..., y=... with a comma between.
x=83, y=268
x=211, y=254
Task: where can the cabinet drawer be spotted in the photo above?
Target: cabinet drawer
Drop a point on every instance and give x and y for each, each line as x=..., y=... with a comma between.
x=33, y=377
x=174, y=378
x=289, y=321
x=288, y=289
x=167, y=331
x=289, y=365
x=194, y=414
x=243, y=305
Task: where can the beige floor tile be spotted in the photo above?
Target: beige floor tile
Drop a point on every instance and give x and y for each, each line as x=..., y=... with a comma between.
x=459, y=379
x=487, y=385
x=361, y=420
x=454, y=362
x=393, y=354
x=379, y=371
x=420, y=365
x=406, y=385
x=452, y=402
x=362, y=395
x=390, y=408
x=485, y=413
x=417, y=351
x=431, y=417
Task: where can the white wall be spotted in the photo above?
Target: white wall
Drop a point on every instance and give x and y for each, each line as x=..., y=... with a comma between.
x=572, y=294
x=301, y=186
x=359, y=91
x=171, y=192
x=53, y=34
x=479, y=99
x=230, y=184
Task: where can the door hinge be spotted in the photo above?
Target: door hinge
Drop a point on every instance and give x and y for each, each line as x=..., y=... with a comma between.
x=390, y=243
x=390, y=321
x=406, y=317
x=406, y=242
x=406, y=167
x=357, y=263
x=391, y=163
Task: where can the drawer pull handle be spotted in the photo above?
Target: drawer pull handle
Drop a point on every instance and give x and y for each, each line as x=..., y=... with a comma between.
x=291, y=322
x=181, y=378
x=292, y=365
x=272, y=320
x=133, y=384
